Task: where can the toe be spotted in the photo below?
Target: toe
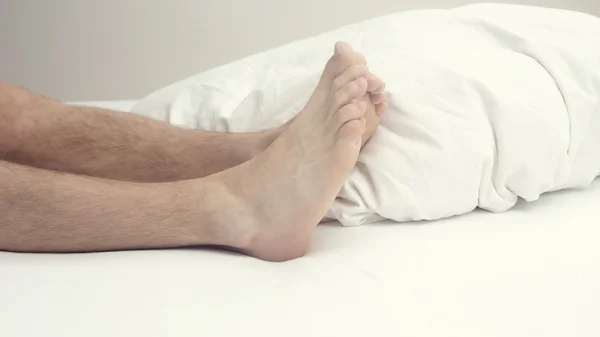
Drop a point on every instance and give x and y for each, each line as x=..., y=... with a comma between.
x=350, y=74
x=350, y=112
x=380, y=89
x=359, y=58
x=349, y=92
x=377, y=98
x=344, y=49
x=376, y=84
x=372, y=121
x=344, y=52
x=338, y=63
x=350, y=134
x=381, y=108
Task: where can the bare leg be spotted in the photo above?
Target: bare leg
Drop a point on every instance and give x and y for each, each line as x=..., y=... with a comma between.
x=44, y=133
x=40, y=132
x=267, y=207
x=46, y=211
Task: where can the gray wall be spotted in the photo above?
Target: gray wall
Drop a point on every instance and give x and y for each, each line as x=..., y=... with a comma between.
x=123, y=49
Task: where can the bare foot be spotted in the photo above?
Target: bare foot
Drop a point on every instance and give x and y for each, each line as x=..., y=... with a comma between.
x=281, y=195
x=374, y=98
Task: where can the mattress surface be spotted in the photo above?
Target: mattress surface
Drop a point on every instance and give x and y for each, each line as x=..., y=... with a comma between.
x=532, y=271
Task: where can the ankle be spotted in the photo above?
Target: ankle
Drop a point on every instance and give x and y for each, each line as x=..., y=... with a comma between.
x=217, y=213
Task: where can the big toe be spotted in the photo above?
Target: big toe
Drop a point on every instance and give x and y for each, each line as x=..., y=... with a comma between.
x=345, y=56
x=343, y=48
x=338, y=63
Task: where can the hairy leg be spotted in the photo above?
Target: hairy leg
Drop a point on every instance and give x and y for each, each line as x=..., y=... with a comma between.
x=267, y=207
x=47, y=211
x=44, y=133
x=41, y=132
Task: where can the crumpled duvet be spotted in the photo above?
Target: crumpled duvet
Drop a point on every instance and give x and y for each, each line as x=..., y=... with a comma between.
x=488, y=103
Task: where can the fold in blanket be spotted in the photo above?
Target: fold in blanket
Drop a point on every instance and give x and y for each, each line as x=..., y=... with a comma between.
x=488, y=103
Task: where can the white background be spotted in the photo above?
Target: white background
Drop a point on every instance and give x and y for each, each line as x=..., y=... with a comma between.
x=123, y=49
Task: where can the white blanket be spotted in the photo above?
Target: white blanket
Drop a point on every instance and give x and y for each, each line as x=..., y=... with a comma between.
x=488, y=103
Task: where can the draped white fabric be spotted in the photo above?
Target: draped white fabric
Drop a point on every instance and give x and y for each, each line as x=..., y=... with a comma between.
x=488, y=103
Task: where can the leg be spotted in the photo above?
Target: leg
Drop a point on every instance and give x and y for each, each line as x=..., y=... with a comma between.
x=267, y=207
x=40, y=132
x=46, y=211
x=44, y=133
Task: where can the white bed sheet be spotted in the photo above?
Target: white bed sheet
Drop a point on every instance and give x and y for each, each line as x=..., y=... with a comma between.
x=532, y=271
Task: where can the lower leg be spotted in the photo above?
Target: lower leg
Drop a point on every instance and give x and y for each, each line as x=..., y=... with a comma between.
x=46, y=211
x=267, y=207
x=44, y=133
